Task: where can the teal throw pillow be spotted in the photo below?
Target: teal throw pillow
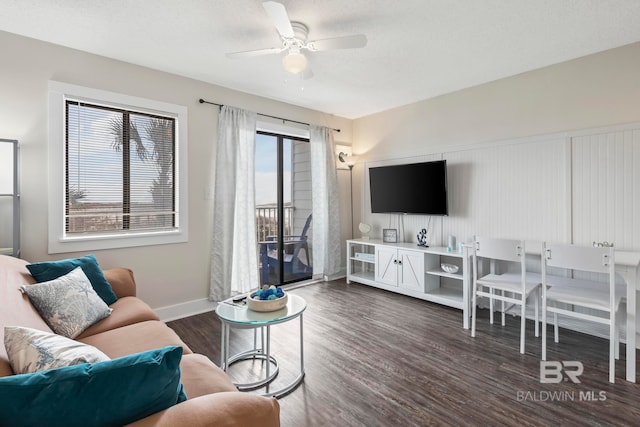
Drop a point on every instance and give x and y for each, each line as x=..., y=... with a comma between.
x=110, y=393
x=49, y=270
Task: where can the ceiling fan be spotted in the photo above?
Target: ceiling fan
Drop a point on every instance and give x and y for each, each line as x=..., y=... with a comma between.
x=294, y=41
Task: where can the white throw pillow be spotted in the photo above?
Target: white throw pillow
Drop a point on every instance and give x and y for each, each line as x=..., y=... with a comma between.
x=30, y=350
x=68, y=304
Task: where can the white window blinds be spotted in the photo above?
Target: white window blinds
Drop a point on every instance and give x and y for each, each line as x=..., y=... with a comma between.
x=119, y=170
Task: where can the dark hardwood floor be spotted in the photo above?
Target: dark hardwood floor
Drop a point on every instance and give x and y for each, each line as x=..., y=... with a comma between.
x=375, y=358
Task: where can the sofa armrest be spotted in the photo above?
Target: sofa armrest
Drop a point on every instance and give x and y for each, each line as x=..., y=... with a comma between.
x=224, y=409
x=122, y=281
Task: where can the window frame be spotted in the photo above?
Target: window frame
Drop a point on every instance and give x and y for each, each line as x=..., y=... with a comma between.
x=59, y=241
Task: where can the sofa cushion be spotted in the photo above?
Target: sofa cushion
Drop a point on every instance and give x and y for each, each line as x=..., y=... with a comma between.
x=111, y=393
x=122, y=281
x=31, y=350
x=134, y=338
x=5, y=368
x=49, y=270
x=126, y=311
x=226, y=409
x=68, y=304
x=201, y=376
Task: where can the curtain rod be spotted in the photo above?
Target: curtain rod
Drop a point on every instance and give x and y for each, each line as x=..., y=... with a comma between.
x=202, y=101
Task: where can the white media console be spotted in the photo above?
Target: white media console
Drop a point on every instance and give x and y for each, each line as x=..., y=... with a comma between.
x=412, y=270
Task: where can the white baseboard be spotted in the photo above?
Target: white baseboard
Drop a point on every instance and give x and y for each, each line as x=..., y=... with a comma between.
x=339, y=275
x=185, y=309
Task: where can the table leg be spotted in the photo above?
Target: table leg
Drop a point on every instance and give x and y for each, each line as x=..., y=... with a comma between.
x=348, y=262
x=268, y=359
x=223, y=362
x=301, y=347
x=466, y=287
x=227, y=332
x=255, y=342
x=631, y=278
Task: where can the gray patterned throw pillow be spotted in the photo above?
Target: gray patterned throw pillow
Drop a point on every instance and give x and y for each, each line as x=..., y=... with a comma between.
x=30, y=350
x=68, y=304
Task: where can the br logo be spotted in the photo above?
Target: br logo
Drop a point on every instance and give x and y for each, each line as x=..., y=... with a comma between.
x=552, y=372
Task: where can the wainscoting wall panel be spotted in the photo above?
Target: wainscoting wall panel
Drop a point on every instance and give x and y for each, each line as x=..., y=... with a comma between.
x=516, y=189
x=606, y=188
x=513, y=190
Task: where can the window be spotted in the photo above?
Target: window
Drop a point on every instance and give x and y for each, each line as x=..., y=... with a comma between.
x=115, y=173
x=118, y=170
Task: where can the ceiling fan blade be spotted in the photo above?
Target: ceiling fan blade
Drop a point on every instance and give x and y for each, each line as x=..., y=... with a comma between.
x=257, y=52
x=279, y=17
x=346, y=42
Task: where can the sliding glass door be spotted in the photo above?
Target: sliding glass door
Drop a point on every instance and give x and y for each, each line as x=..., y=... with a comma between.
x=283, y=208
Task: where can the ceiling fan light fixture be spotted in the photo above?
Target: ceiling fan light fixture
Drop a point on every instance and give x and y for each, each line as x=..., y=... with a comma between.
x=295, y=62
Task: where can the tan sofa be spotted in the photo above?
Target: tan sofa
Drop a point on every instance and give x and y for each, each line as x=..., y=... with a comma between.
x=133, y=327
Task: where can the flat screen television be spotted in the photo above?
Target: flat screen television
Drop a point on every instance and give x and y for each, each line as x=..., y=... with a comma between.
x=415, y=188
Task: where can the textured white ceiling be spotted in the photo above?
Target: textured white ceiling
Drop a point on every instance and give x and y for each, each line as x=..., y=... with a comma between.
x=417, y=49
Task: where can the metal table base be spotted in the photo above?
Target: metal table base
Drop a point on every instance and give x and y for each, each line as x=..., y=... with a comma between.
x=263, y=353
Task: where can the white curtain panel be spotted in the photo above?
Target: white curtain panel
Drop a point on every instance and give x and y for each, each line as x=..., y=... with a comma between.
x=234, y=261
x=326, y=216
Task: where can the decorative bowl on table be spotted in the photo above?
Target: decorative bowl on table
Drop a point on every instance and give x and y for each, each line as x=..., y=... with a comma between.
x=269, y=298
x=449, y=268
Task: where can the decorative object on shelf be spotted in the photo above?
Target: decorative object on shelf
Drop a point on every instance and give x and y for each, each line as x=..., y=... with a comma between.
x=390, y=235
x=449, y=268
x=422, y=238
x=269, y=298
x=452, y=244
x=364, y=229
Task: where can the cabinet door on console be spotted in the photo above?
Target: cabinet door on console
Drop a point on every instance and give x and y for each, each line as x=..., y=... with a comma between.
x=386, y=266
x=411, y=273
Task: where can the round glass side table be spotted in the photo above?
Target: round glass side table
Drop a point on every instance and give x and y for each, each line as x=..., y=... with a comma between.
x=233, y=315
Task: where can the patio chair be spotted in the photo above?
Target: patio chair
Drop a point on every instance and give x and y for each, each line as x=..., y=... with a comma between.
x=294, y=266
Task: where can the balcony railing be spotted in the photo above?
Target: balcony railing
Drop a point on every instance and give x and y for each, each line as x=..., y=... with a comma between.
x=267, y=221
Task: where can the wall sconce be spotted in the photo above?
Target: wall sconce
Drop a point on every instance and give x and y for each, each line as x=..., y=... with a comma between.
x=348, y=159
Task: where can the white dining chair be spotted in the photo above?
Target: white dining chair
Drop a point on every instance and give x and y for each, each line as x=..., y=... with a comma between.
x=600, y=298
x=514, y=289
